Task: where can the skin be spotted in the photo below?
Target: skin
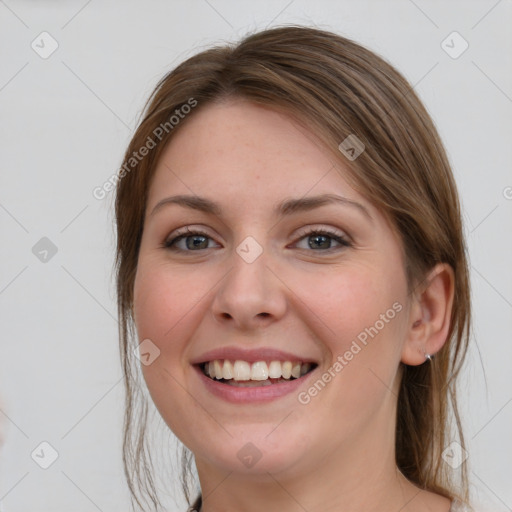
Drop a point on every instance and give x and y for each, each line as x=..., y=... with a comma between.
x=336, y=452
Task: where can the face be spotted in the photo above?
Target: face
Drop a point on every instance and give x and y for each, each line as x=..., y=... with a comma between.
x=257, y=273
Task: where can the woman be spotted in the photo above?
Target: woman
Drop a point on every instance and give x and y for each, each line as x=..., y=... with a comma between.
x=291, y=273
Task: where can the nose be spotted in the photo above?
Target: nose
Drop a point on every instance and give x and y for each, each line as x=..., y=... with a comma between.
x=251, y=295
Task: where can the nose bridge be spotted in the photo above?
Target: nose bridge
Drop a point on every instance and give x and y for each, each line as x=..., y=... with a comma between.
x=250, y=291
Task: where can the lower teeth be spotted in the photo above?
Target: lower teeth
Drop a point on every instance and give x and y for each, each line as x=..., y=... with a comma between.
x=252, y=383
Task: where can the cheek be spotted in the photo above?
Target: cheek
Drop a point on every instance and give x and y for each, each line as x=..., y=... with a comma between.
x=165, y=306
x=350, y=300
x=164, y=302
x=362, y=316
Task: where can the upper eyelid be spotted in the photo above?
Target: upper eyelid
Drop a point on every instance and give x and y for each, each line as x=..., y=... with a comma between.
x=299, y=234
x=319, y=227
x=191, y=229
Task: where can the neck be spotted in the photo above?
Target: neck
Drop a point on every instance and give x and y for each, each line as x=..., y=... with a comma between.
x=373, y=484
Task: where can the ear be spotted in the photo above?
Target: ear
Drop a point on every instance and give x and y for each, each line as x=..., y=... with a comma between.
x=429, y=315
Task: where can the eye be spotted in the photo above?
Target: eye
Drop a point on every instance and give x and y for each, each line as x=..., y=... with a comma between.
x=193, y=240
x=321, y=239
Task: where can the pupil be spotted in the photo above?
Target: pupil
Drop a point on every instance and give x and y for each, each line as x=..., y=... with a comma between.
x=320, y=245
x=196, y=243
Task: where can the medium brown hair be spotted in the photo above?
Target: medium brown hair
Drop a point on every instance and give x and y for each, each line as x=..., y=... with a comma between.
x=335, y=88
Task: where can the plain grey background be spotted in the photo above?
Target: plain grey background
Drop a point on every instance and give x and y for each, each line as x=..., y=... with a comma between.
x=66, y=118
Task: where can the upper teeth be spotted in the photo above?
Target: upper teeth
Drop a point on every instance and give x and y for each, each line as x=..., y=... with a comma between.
x=261, y=370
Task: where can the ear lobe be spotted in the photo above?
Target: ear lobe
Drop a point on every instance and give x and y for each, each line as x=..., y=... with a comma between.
x=429, y=317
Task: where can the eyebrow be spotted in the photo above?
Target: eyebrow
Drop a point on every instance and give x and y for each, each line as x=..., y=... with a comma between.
x=285, y=208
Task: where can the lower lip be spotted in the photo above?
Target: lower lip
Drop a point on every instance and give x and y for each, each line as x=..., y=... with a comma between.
x=250, y=394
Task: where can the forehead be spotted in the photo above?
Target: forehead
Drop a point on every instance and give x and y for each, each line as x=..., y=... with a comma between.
x=239, y=149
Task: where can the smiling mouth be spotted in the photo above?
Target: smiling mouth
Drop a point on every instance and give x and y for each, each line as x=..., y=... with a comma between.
x=261, y=373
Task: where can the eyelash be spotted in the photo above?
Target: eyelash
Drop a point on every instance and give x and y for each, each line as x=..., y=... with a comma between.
x=186, y=232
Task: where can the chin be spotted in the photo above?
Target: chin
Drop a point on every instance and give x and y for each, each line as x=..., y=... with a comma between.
x=253, y=451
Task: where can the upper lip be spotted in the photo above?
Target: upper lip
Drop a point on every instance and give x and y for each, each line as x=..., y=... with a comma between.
x=250, y=355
